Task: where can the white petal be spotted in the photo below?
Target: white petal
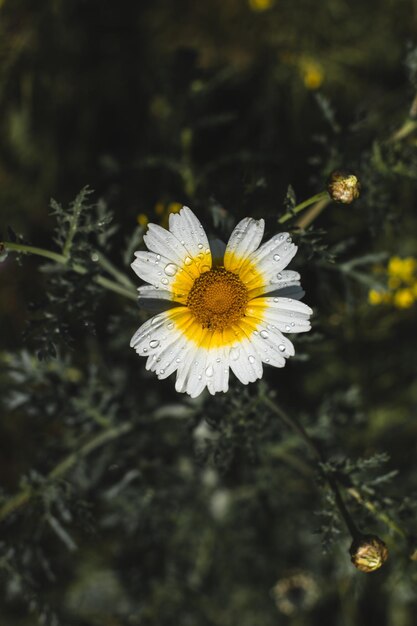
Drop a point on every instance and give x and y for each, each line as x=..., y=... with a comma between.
x=153, y=299
x=277, y=252
x=275, y=282
x=287, y=314
x=184, y=369
x=156, y=333
x=163, y=242
x=245, y=361
x=244, y=240
x=217, y=370
x=271, y=345
x=161, y=272
x=189, y=232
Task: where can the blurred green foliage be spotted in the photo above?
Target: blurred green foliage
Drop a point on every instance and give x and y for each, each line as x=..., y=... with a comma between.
x=138, y=506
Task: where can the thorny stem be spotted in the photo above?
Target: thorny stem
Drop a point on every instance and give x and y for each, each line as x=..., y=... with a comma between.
x=64, y=466
x=122, y=289
x=300, y=430
x=323, y=195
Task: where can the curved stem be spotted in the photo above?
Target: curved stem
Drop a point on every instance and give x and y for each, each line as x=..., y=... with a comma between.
x=300, y=430
x=303, y=205
x=64, y=466
x=122, y=289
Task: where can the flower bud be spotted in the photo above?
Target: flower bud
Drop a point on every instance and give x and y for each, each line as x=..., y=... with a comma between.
x=343, y=187
x=368, y=553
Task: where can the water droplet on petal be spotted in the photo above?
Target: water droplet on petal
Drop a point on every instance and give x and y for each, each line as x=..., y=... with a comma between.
x=187, y=260
x=251, y=359
x=177, y=360
x=207, y=250
x=279, y=276
x=200, y=245
x=170, y=269
x=154, y=343
x=288, y=328
x=281, y=347
x=264, y=334
x=281, y=237
x=164, y=281
x=292, y=323
x=161, y=371
x=209, y=371
x=218, y=360
x=145, y=350
x=277, y=257
x=267, y=360
x=170, y=326
x=234, y=354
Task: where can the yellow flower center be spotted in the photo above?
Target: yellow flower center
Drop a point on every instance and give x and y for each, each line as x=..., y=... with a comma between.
x=217, y=299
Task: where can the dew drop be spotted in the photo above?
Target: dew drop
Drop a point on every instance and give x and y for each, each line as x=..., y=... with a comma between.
x=279, y=276
x=207, y=250
x=161, y=371
x=145, y=350
x=154, y=343
x=187, y=260
x=155, y=320
x=164, y=281
x=251, y=359
x=209, y=371
x=170, y=269
x=177, y=360
x=292, y=323
x=234, y=354
x=287, y=328
x=218, y=360
x=170, y=326
x=281, y=347
x=200, y=246
x=277, y=257
x=281, y=237
x=158, y=258
x=267, y=360
x=264, y=334
x=200, y=377
x=276, y=299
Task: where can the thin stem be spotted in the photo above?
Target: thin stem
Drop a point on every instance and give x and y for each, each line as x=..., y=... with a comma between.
x=295, y=425
x=111, y=269
x=352, y=491
x=303, y=205
x=64, y=466
x=124, y=290
x=78, y=206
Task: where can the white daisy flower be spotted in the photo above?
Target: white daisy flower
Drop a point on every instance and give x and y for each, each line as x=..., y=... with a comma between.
x=225, y=307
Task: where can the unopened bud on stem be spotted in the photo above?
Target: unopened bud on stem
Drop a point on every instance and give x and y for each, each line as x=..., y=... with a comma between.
x=368, y=553
x=343, y=187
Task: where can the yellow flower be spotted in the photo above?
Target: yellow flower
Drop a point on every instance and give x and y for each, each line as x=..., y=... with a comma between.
x=375, y=297
x=402, y=269
x=142, y=219
x=404, y=298
x=174, y=207
x=313, y=74
x=260, y=5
